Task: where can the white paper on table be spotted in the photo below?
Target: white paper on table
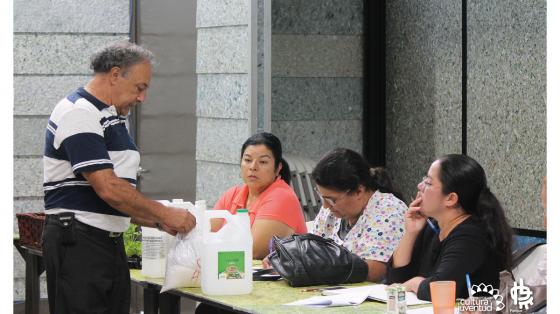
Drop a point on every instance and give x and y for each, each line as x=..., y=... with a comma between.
x=376, y=293
x=427, y=310
x=346, y=299
x=421, y=310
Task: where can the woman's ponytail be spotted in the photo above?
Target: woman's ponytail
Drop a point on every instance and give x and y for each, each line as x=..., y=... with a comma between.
x=381, y=180
x=285, y=173
x=490, y=213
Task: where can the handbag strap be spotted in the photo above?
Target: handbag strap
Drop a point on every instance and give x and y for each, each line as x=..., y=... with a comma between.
x=351, y=270
x=311, y=236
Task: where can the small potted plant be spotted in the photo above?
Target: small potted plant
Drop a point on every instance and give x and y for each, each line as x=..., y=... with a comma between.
x=133, y=246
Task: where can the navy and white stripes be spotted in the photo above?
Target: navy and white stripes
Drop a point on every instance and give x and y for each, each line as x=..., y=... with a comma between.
x=83, y=135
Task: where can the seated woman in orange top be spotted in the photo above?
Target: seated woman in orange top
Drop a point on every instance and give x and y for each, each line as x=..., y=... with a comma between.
x=273, y=206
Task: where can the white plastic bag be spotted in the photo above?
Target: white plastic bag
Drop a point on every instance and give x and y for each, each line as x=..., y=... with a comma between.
x=183, y=258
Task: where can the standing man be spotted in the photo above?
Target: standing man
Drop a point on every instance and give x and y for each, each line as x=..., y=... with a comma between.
x=90, y=165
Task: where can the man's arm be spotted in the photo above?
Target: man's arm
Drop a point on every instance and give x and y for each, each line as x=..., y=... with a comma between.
x=119, y=194
x=152, y=224
x=376, y=270
x=143, y=222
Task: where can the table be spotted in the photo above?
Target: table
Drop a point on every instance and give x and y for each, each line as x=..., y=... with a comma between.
x=267, y=297
x=33, y=268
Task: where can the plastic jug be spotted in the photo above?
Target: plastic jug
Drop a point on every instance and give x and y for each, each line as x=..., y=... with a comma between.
x=227, y=255
x=197, y=210
x=154, y=250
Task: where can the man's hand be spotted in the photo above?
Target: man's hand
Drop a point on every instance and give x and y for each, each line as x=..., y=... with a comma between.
x=177, y=220
x=167, y=229
x=119, y=194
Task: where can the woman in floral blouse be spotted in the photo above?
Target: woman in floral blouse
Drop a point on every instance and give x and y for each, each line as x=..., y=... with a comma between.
x=360, y=210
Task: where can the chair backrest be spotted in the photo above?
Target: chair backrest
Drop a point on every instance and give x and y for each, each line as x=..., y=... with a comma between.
x=521, y=241
x=303, y=185
x=527, y=264
x=528, y=249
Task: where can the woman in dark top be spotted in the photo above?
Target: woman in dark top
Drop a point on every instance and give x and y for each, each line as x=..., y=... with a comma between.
x=467, y=231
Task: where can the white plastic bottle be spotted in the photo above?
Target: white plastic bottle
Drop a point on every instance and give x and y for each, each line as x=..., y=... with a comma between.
x=154, y=251
x=199, y=212
x=227, y=255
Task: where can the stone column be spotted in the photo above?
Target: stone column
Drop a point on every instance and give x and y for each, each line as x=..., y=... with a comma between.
x=222, y=106
x=317, y=71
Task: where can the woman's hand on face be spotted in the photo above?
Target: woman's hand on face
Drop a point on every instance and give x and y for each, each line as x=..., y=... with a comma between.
x=414, y=220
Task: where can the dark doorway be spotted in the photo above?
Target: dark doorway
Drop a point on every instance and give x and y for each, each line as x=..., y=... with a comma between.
x=374, y=125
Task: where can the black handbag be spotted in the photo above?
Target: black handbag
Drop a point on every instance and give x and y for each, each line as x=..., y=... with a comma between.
x=308, y=260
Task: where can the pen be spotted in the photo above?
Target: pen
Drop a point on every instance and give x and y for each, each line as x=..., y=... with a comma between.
x=432, y=226
x=310, y=289
x=468, y=278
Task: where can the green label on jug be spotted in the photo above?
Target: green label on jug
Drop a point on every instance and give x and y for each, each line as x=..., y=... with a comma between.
x=231, y=265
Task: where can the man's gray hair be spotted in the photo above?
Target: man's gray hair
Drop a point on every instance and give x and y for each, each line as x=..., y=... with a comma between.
x=122, y=54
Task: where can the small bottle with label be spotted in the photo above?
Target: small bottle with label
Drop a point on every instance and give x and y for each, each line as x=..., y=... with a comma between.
x=391, y=300
x=401, y=299
x=396, y=299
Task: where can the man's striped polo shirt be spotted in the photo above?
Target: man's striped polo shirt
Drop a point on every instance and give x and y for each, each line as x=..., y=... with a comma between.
x=84, y=134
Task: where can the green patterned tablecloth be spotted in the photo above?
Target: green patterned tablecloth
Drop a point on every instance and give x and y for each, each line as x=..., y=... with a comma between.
x=267, y=297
